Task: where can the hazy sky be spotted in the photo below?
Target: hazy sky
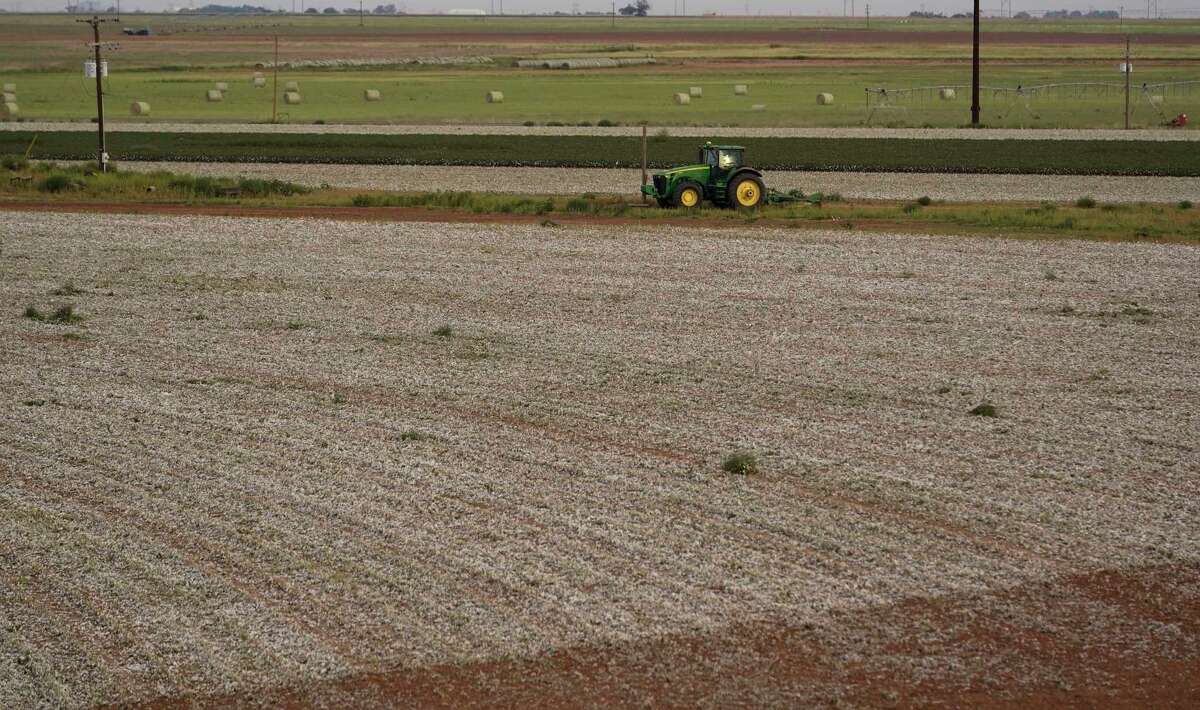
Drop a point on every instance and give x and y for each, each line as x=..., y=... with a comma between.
x=660, y=7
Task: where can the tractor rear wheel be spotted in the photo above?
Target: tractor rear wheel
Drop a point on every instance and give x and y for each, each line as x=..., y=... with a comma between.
x=747, y=192
x=688, y=194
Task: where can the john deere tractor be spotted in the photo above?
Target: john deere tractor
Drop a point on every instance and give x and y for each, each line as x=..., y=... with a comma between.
x=720, y=176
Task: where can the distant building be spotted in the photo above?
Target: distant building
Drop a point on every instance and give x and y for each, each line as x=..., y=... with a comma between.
x=466, y=11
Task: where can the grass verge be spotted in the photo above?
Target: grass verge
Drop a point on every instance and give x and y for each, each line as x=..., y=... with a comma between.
x=116, y=190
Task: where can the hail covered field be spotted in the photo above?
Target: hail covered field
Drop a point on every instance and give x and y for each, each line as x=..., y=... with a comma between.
x=336, y=462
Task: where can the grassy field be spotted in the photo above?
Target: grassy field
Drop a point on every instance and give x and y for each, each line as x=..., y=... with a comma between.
x=1105, y=157
x=172, y=70
x=787, y=96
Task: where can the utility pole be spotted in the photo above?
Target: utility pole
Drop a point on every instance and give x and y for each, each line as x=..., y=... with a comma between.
x=614, y=14
x=868, y=16
x=102, y=155
x=360, y=14
x=975, y=67
x=1128, y=67
x=275, y=84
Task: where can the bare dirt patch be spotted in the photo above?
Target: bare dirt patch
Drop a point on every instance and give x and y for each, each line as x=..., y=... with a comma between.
x=1082, y=641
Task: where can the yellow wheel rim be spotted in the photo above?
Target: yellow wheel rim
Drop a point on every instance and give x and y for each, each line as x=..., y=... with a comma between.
x=689, y=197
x=748, y=193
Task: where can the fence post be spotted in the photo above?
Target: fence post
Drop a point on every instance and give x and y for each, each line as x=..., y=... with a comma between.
x=1127, y=68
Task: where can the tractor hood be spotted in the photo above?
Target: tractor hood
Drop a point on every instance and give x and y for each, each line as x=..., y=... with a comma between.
x=681, y=169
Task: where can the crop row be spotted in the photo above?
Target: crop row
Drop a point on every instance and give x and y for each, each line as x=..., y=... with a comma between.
x=1075, y=157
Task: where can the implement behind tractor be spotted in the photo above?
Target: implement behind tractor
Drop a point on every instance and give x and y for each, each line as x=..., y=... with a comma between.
x=720, y=176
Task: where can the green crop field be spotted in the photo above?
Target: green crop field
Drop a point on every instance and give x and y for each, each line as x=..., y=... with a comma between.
x=839, y=154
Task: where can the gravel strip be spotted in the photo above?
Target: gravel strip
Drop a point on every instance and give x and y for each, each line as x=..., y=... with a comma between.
x=884, y=186
x=281, y=450
x=694, y=131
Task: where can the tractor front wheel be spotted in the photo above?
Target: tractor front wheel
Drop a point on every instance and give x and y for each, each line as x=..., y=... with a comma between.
x=747, y=193
x=688, y=195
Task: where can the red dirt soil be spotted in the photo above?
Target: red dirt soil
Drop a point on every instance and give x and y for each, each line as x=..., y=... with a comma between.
x=1105, y=639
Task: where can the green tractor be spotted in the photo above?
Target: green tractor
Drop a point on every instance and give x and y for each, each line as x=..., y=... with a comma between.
x=720, y=176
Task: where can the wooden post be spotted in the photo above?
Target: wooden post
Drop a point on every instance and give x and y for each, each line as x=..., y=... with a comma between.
x=103, y=154
x=275, y=84
x=644, y=178
x=1127, y=68
x=975, y=67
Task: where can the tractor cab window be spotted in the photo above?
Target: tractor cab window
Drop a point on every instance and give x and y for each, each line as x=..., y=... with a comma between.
x=723, y=160
x=729, y=159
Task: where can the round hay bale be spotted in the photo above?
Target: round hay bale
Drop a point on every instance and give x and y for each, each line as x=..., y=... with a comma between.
x=259, y=82
x=372, y=95
x=1156, y=99
x=741, y=89
x=758, y=107
x=291, y=86
x=11, y=109
x=9, y=97
x=258, y=75
x=824, y=99
x=683, y=99
x=495, y=97
x=10, y=88
x=139, y=108
x=946, y=94
x=291, y=97
x=214, y=95
x=696, y=91
x=222, y=86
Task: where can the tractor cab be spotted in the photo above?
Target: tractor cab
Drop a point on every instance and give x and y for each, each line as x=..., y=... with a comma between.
x=722, y=158
x=720, y=176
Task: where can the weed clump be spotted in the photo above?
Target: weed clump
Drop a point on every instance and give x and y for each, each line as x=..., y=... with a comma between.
x=63, y=315
x=67, y=289
x=984, y=409
x=1086, y=202
x=1185, y=204
x=13, y=162
x=924, y=201
x=443, y=331
x=742, y=463
x=58, y=182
